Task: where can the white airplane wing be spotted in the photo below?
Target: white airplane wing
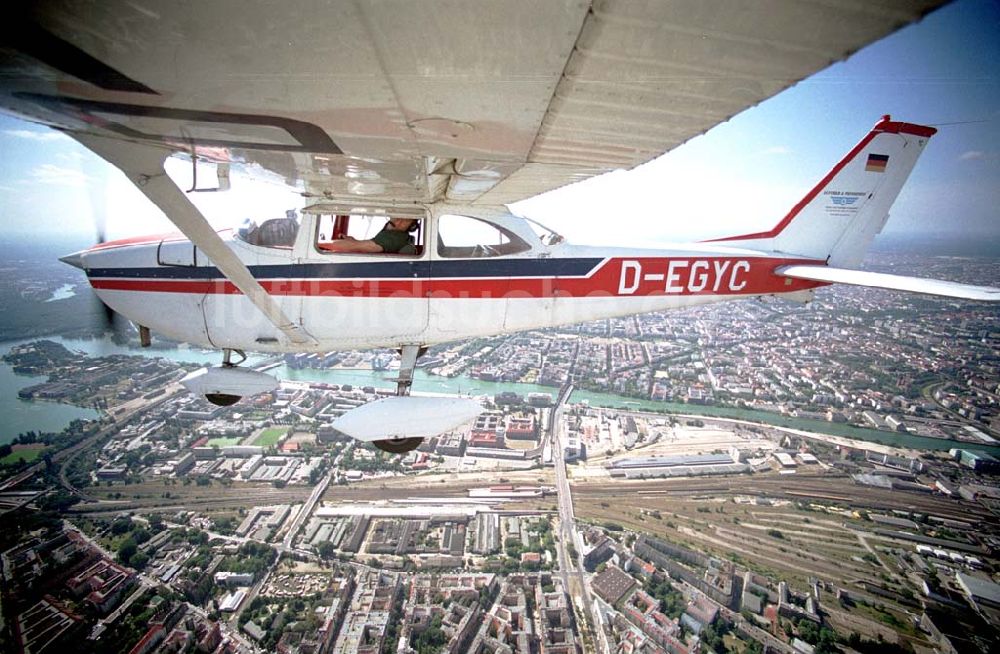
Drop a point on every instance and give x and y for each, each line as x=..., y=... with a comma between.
x=401, y=102
x=394, y=103
x=892, y=282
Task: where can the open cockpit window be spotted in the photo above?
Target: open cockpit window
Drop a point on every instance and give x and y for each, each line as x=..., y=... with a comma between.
x=463, y=236
x=366, y=234
x=272, y=233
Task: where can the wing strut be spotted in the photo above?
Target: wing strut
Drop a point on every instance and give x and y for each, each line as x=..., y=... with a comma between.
x=143, y=165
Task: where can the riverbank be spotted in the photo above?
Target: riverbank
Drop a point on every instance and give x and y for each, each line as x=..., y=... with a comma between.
x=20, y=416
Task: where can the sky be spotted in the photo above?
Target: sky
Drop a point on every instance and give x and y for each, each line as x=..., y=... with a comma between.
x=742, y=176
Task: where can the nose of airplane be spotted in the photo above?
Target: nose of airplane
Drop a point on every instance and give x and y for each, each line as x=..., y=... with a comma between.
x=75, y=259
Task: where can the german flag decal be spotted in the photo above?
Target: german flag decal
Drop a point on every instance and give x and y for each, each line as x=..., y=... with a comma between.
x=876, y=163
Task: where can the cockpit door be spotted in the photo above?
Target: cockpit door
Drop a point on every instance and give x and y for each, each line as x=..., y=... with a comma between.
x=470, y=276
x=356, y=300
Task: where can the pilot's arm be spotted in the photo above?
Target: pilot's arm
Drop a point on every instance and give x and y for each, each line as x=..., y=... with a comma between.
x=349, y=244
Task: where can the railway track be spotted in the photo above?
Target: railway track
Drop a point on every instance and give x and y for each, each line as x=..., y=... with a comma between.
x=817, y=487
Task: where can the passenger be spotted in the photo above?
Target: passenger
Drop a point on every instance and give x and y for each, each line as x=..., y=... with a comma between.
x=394, y=237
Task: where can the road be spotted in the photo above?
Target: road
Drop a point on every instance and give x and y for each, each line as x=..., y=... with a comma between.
x=305, y=512
x=567, y=526
x=930, y=393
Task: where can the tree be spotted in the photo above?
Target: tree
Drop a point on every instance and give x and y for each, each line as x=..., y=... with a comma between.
x=326, y=549
x=121, y=526
x=432, y=639
x=126, y=550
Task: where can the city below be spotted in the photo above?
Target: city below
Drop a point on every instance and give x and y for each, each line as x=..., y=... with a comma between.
x=754, y=477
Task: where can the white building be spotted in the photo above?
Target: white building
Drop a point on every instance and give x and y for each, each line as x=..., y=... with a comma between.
x=251, y=466
x=785, y=460
x=231, y=602
x=574, y=449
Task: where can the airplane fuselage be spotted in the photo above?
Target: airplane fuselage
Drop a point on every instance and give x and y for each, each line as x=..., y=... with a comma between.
x=356, y=301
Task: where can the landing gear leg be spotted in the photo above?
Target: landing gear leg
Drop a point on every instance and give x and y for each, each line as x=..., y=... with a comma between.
x=408, y=362
x=227, y=355
x=227, y=399
x=408, y=356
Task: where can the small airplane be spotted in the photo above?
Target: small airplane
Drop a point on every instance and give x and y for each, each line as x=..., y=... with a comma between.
x=436, y=140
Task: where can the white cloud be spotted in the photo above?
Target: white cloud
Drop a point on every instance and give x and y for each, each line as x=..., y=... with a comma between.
x=32, y=135
x=53, y=174
x=972, y=155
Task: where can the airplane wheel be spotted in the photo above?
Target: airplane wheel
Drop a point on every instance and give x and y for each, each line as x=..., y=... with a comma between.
x=222, y=399
x=398, y=445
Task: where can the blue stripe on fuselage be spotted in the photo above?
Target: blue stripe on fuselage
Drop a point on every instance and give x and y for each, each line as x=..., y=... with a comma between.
x=458, y=268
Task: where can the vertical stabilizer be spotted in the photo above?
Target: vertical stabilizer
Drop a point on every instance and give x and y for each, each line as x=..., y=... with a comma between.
x=840, y=217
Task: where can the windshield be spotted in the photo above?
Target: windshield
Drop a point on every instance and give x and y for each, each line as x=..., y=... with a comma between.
x=272, y=233
x=544, y=234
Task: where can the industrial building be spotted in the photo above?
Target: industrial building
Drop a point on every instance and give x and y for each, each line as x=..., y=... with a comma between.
x=980, y=591
x=976, y=460
x=676, y=466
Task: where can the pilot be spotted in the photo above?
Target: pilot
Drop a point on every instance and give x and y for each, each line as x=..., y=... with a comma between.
x=393, y=239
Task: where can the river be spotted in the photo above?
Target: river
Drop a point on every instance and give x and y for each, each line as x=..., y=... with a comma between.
x=422, y=381
x=20, y=415
x=64, y=292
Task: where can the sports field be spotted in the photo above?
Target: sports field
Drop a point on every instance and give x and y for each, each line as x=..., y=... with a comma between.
x=268, y=437
x=26, y=452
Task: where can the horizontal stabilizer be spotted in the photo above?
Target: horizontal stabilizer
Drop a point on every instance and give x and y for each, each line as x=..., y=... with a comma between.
x=407, y=417
x=893, y=282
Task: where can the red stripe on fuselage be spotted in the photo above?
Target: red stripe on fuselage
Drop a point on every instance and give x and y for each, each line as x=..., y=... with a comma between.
x=618, y=277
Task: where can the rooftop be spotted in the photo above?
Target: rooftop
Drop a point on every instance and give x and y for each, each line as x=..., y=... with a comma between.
x=979, y=588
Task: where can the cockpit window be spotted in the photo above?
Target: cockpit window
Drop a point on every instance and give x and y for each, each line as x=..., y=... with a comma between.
x=272, y=233
x=369, y=234
x=463, y=236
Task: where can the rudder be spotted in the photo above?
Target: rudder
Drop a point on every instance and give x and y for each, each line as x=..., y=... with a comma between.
x=838, y=219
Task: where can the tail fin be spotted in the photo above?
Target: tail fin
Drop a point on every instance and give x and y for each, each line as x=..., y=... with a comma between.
x=840, y=217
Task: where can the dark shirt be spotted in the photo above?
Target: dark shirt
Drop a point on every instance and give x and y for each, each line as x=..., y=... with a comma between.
x=391, y=240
